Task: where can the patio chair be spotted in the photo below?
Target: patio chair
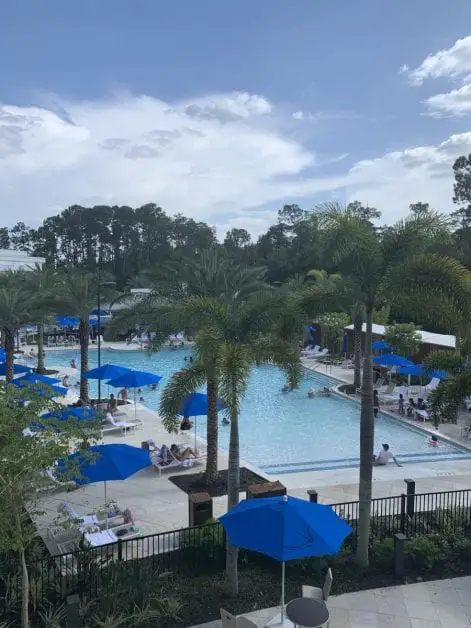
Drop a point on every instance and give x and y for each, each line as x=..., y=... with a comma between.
x=379, y=383
x=347, y=364
x=432, y=384
x=106, y=537
x=322, y=595
x=393, y=397
x=232, y=621
x=422, y=414
x=99, y=519
x=388, y=390
x=64, y=484
x=467, y=403
x=160, y=466
x=112, y=425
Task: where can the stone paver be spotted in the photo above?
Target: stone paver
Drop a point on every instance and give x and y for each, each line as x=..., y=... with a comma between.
x=436, y=604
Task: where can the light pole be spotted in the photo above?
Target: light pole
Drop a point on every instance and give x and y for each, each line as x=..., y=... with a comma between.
x=100, y=284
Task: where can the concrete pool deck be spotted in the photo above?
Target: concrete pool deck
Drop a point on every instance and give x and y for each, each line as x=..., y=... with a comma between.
x=159, y=506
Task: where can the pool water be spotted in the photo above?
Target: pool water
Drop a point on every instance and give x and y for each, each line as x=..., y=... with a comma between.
x=279, y=432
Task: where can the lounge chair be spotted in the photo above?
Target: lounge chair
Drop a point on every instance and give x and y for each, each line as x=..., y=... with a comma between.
x=393, y=397
x=378, y=384
x=432, y=384
x=317, y=593
x=318, y=354
x=64, y=484
x=99, y=519
x=347, y=364
x=422, y=414
x=232, y=621
x=112, y=425
x=310, y=350
x=161, y=465
x=467, y=403
x=105, y=537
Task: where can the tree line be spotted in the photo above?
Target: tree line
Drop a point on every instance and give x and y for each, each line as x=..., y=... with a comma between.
x=126, y=242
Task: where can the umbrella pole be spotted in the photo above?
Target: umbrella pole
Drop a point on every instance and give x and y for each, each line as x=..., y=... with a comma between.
x=282, y=591
x=135, y=407
x=195, y=432
x=106, y=509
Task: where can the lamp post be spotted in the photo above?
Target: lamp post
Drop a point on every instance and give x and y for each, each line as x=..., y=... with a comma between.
x=100, y=284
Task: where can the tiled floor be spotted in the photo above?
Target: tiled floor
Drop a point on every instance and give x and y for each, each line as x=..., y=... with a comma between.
x=437, y=604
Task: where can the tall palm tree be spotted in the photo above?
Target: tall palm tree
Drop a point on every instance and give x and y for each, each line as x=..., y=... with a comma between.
x=211, y=275
x=398, y=267
x=234, y=337
x=16, y=309
x=78, y=292
x=43, y=283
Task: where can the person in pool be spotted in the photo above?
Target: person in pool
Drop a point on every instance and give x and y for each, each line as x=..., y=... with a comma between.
x=310, y=393
x=72, y=364
x=433, y=442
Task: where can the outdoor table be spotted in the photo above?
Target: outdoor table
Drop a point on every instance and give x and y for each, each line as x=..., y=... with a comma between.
x=306, y=612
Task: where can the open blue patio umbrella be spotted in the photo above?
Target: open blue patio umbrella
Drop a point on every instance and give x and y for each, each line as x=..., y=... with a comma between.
x=36, y=378
x=107, y=371
x=17, y=368
x=105, y=463
x=285, y=528
x=80, y=413
x=134, y=379
x=3, y=355
x=40, y=389
x=392, y=359
x=196, y=404
x=380, y=345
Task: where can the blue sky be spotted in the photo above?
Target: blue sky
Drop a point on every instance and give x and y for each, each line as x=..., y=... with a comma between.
x=226, y=110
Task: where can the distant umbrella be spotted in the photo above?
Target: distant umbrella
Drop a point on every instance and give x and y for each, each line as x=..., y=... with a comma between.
x=392, y=360
x=107, y=371
x=17, y=368
x=196, y=404
x=134, y=379
x=379, y=345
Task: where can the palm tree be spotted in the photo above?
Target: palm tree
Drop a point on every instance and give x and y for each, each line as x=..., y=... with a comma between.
x=16, y=308
x=210, y=275
x=234, y=337
x=78, y=292
x=398, y=267
x=43, y=283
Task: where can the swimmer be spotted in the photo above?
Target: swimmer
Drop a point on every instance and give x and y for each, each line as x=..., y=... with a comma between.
x=326, y=391
x=286, y=388
x=433, y=442
x=310, y=393
x=141, y=398
x=72, y=364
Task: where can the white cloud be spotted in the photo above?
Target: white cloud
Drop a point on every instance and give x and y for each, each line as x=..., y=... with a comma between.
x=209, y=158
x=454, y=103
x=454, y=62
x=397, y=179
x=221, y=153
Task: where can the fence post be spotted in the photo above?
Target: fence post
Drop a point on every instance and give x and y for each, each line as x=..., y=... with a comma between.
x=399, y=542
x=403, y=513
x=410, y=505
x=73, y=611
x=313, y=495
x=120, y=549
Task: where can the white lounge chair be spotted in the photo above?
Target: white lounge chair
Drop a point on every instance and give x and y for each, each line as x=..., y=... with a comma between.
x=113, y=425
x=432, y=384
x=467, y=403
x=160, y=465
x=105, y=537
x=318, y=354
x=49, y=474
x=317, y=593
x=83, y=521
x=347, y=364
x=393, y=397
x=422, y=414
x=310, y=351
x=232, y=621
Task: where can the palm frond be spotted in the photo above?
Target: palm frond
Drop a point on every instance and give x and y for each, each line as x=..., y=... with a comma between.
x=234, y=363
x=181, y=384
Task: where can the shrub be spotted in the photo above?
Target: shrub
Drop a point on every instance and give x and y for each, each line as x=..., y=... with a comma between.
x=383, y=553
x=425, y=552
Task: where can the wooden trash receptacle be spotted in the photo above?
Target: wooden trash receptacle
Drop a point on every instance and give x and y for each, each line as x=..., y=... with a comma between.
x=268, y=489
x=200, y=509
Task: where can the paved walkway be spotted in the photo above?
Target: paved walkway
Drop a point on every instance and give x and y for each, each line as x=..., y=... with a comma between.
x=436, y=604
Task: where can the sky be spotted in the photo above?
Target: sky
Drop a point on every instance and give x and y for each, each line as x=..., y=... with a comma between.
x=225, y=111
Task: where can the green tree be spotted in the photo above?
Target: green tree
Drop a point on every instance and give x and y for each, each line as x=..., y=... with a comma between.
x=462, y=190
x=16, y=309
x=404, y=337
x=42, y=282
x=78, y=297
x=234, y=337
x=22, y=463
x=209, y=275
x=396, y=267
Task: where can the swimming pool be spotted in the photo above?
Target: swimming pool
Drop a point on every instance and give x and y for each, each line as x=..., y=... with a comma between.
x=285, y=433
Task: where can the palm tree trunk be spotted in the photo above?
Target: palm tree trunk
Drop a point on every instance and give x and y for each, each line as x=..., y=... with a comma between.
x=212, y=431
x=40, y=368
x=9, y=337
x=84, y=339
x=233, y=488
x=366, y=447
x=24, y=575
x=357, y=329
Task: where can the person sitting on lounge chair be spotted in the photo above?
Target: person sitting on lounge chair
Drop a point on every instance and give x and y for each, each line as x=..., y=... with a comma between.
x=185, y=453
x=411, y=408
x=112, y=404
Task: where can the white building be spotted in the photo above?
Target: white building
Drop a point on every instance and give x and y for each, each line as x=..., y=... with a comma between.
x=18, y=260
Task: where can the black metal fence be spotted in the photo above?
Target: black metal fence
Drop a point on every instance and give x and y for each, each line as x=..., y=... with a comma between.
x=130, y=565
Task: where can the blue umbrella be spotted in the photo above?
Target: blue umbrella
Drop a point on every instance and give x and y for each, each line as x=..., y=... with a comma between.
x=285, y=528
x=134, y=379
x=380, y=344
x=421, y=370
x=107, y=371
x=195, y=405
x=79, y=413
x=17, y=368
x=36, y=378
x=345, y=343
x=109, y=462
x=392, y=360
x=101, y=312
x=41, y=389
x=3, y=355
